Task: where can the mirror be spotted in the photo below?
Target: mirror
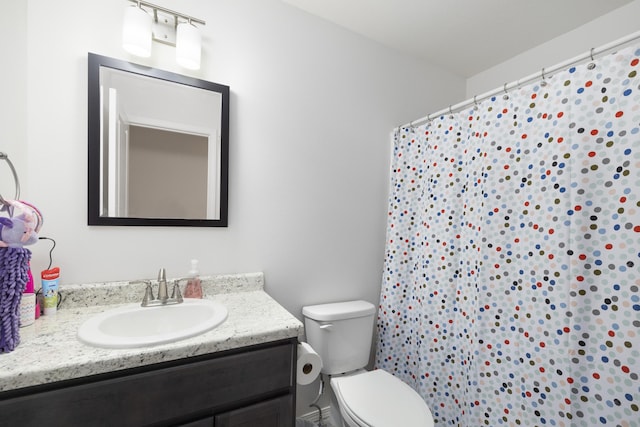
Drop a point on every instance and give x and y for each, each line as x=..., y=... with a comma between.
x=158, y=147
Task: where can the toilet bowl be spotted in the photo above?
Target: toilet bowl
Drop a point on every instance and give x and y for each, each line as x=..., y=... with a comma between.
x=341, y=333
x=377, y=398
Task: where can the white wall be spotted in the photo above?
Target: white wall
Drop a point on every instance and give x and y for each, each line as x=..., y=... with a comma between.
x=312, y=110
x=599, y=32
x=13, y=97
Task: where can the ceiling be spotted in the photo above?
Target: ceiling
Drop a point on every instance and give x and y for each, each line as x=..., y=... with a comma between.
x=463, y=36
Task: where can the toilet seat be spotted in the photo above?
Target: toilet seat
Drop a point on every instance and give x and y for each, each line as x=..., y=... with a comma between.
x=379, y=399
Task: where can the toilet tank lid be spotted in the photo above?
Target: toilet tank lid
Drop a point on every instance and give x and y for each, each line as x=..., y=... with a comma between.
x=339, y=310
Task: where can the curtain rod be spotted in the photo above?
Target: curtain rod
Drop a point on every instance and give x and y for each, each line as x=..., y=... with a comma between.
x=544, y=73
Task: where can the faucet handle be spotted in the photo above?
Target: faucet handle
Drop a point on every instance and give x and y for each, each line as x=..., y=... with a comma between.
x=175, y=294
x=148, y=294
x=148, y=291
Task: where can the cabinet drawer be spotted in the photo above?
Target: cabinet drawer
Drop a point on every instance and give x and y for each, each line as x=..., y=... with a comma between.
x=159, y=395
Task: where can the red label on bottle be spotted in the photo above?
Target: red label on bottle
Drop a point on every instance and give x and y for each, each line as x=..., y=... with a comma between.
x=52, y=274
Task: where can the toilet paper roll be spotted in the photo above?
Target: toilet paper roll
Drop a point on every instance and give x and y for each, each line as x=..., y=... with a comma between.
x=309, y=364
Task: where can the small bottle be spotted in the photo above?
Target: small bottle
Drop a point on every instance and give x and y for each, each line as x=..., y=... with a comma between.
x=50, y=284
x=194, y=287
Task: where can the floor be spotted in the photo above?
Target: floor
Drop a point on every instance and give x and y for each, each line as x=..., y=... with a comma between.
x=306, y=423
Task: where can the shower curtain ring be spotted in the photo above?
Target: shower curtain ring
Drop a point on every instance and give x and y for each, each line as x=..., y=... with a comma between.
x=592, y=64
x=475, y=102
x=544, y=82
x=506, y=94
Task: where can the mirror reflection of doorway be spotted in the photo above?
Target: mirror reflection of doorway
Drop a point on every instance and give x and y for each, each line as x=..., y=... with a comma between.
x=167, y=174
x=123, y=95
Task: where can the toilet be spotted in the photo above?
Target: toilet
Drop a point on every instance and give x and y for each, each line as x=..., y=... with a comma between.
x=341, y=333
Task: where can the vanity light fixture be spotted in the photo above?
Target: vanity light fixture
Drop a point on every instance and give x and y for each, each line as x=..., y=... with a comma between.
x=144, y=22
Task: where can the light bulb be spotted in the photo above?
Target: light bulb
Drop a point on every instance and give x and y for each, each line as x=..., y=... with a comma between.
x=188, y=46
x=136, y=32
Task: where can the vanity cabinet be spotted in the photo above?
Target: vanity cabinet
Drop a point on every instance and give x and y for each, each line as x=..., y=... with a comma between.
x=251, y=386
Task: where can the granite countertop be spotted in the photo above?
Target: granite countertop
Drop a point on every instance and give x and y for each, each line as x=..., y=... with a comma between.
x=49, y=350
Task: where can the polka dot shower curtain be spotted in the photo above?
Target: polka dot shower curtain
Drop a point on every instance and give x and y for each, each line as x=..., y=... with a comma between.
x=510, y=293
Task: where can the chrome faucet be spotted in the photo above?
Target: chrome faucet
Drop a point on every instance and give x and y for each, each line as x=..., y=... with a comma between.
x=163, y=295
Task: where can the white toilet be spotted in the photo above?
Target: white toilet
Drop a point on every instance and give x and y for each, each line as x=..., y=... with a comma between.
x=341, y=333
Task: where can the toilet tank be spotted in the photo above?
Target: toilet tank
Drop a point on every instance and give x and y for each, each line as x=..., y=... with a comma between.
x=341, y=333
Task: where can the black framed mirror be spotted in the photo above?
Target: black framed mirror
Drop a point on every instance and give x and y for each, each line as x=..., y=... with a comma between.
x=158, y=147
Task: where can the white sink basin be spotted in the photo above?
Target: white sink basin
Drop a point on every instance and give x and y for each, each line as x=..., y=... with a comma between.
x=134, y=326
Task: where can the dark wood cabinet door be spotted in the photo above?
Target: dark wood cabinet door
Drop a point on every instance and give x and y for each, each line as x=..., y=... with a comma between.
x=271, y=413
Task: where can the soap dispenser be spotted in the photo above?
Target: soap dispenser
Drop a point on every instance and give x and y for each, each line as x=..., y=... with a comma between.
x=194, y=286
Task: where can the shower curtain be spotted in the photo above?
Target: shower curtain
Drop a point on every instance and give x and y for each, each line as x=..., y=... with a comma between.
x=510, y=290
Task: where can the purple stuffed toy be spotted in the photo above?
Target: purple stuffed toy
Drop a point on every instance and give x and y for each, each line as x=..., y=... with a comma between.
x=22, y=229
x=15, y=233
